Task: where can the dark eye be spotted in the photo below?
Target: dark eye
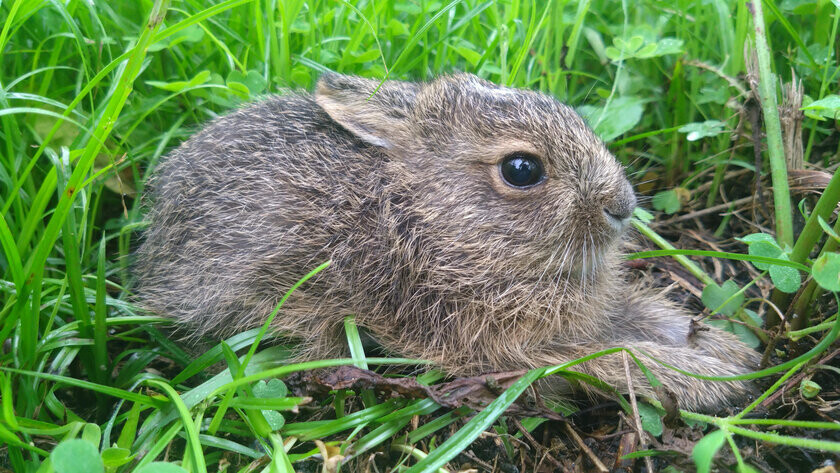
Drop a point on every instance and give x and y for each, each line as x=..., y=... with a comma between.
x=522, y=170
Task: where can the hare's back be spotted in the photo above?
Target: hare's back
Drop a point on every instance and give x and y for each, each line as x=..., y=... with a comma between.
x=243, y=209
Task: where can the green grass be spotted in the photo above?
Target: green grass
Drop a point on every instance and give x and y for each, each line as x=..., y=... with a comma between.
x=93, y=94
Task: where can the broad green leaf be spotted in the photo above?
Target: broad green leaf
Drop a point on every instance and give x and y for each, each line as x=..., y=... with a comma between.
x=753, y=318
x=76, y=456
x=621, y=116
x=767, y=249
x=620, y=44
x=698, y=130
x=667, y=201
x=651, y=420
x=754, y=237
x=762, y=244
x=669, y=46
x=706, y=449
x=636, y=47
x=718, y=95
x=713, y=296
x=239, y=89
x=253, y=80
x=746, y=335
x=190, y=34
x=272, y=388
x=114, y=456
x=301, y=75
x=825, y=108
x=648, y=50
x=612, y=53
x=826, y=271
x=328, y=57
x=786, y=279
x=93, y=434
x=743, y=333
x=397, y=28
x=161, y=467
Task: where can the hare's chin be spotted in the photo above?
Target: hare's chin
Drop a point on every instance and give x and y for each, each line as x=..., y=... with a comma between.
x=587, y=266
x=616, y=225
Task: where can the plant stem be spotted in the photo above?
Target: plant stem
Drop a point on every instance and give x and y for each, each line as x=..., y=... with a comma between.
x=805, y=243
x=767, y=393
x=805, y=305
x=812, y=231
x=773, y=128
x=797, y=334
x=357, y=351
x=683, y=260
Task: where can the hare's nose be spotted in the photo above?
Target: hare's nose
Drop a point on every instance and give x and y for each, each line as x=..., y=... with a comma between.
x=618, y=214
x=619, y=207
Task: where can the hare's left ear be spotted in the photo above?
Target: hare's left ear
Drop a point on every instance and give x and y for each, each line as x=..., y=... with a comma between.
x=379, y=117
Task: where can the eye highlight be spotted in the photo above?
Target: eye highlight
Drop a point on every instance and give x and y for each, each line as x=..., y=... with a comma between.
x=522, y=170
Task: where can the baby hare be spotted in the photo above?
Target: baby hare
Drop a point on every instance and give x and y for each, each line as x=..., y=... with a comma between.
x=472, y=225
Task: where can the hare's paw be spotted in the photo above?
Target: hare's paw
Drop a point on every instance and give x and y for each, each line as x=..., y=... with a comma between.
x=726, y=347
x=693, y=364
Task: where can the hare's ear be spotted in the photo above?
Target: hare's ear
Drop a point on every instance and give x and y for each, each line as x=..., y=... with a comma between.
x=379, y=117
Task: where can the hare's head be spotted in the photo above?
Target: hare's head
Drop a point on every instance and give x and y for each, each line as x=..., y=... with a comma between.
x=497, y=180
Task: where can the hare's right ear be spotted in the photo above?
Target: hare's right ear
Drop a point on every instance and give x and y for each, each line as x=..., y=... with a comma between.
x=379, y=117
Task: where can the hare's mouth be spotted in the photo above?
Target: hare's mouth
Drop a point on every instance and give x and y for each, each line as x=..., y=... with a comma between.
x=617, y=222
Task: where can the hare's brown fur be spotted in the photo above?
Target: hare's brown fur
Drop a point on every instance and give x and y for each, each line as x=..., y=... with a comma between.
x=437, y=257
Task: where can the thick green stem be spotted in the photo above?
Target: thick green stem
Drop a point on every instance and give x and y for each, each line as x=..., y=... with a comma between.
x=813, y=291
x=773, y=128
x=801, y=310
x=805, y=244
x=812, y=231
